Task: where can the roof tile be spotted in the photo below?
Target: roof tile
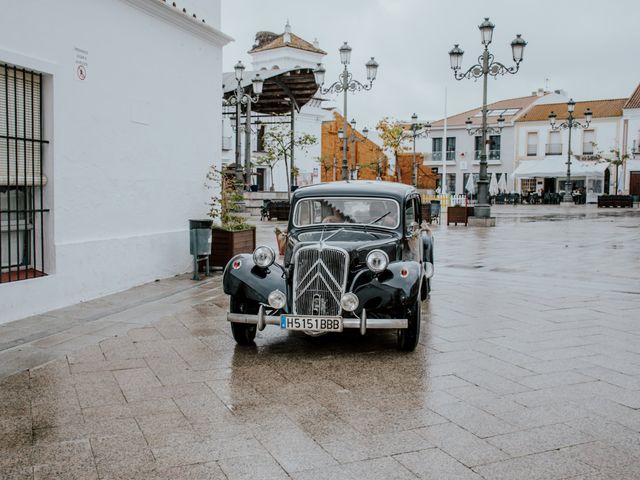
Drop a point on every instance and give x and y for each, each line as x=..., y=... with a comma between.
x=599, y=109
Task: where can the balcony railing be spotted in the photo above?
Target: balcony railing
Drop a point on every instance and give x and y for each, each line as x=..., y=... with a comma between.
x=587, y=148
x=553, y=149
x=437, y=156
x=532, y=150
x=493, y=154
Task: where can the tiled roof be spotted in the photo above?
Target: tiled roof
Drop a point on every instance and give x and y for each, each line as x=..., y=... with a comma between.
x=519, y=103
x=634, y=100
x=599, y=109
x=295, y=42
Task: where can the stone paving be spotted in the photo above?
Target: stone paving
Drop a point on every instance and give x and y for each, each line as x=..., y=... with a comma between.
x=528, y=368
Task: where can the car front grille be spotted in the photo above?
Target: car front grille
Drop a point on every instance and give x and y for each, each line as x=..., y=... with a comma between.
x=319, y=280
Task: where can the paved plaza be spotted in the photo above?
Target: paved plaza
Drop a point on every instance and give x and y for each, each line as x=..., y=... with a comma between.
x=528, y=368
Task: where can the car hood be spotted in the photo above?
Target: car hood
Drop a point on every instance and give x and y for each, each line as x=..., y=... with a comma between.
x=357, y=242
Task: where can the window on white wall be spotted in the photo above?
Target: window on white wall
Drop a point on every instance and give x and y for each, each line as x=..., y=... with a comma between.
x=588, y=142
x=22, y=252
x=554, y=147
x=532, y=144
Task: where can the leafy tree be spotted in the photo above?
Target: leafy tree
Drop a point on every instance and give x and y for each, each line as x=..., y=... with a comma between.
x=278, y=142
x=326, y=164
x=393, y=136
x=618, y=159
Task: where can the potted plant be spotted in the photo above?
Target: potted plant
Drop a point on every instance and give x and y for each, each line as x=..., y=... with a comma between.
x=231, y=234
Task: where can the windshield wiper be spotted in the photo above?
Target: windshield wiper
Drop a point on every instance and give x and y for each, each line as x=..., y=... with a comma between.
x=379, y=218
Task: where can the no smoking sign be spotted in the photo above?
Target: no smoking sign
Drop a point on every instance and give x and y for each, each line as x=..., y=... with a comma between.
x=81, y=72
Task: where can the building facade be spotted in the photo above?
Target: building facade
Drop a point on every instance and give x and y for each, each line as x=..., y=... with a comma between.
x=541, y=151
x=106, y=142
x=462, y=151
x=366, y=160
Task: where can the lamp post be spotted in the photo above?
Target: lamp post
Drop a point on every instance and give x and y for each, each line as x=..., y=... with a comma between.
x=353, y=138
x=346, y=83
x=486, y=66
x=570, y=124
x=238, y=99
x=417, y=130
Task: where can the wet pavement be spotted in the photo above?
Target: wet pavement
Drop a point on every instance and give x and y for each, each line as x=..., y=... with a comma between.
x=528, y=367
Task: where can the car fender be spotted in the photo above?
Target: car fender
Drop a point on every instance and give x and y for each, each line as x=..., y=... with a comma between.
x=388, y=290
x=250, y=282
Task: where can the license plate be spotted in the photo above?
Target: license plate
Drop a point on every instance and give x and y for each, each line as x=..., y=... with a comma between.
x=318, y=324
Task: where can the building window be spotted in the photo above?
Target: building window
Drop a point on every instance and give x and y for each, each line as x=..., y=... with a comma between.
x=451, y=148
x=494, y=147
x=532, y=144
x=436, y=148
x=588, y=142
x=22, y=253
x=528, y=185
x=554, y=147
x=451, y=183
x=260, y=139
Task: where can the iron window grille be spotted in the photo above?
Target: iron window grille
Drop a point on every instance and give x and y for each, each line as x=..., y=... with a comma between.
x=22, y=224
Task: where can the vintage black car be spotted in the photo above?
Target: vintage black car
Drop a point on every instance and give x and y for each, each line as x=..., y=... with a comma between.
x=356, y=257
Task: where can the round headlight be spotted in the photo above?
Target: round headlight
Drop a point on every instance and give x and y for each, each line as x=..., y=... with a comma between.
x=263, y=256
x=277, y=299
x=377, y=261
x=428, y=269
x=349, y=302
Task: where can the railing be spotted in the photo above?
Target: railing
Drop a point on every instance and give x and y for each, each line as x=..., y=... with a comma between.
x=493, y=154
x=532, y=150
x=445, y=200
x=553, y=149
x=587, y=148
x=437, y=156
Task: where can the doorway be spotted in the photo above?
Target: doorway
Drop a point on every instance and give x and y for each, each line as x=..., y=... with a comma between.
x=550, y=185
x=260, y=174
x=634, y=184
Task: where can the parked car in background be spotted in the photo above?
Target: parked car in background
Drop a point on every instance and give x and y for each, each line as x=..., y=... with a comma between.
x=356, y=257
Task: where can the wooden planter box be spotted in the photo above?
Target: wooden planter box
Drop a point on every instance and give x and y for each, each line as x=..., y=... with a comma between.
x=622, y=201
x=459, y=214
x=225, y=245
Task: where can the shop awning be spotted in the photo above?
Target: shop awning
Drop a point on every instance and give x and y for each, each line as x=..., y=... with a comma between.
x=557, y=167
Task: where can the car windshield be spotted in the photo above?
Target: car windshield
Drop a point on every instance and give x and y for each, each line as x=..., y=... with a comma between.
x=383, y=212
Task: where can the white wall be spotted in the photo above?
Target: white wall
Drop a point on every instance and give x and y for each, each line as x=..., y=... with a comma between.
x=130, y=145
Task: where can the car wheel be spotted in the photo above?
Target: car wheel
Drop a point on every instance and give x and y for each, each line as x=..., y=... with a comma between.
x=243, y=333
x=408, y=337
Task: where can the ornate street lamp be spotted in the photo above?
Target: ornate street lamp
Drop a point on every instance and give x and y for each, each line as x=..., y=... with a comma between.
x=417, y=130
x=238, y=99
x=346, y=83
x=570, y=124
x=353, y=138
x=486, y=66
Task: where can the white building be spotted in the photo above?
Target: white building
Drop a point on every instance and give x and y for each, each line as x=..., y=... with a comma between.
x=117, y=104
x=631, y=145
x=541, y=152
x=284, y=54
x=463, y=150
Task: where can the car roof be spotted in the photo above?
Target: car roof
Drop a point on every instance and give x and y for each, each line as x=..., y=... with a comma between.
x=356, y=188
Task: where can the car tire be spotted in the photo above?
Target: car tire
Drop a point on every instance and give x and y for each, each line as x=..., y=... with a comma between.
x=408, y=337
x=243, y=333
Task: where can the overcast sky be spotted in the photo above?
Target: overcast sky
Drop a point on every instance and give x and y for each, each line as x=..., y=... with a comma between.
x=588, y=48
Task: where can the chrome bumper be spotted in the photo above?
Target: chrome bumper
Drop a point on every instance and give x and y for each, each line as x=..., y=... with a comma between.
x=363, y=323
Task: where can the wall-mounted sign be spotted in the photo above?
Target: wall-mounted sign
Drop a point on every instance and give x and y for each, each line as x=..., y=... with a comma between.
x=81, y=64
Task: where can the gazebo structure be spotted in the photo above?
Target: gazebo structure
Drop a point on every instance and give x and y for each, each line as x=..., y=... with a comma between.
x=284, y=93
